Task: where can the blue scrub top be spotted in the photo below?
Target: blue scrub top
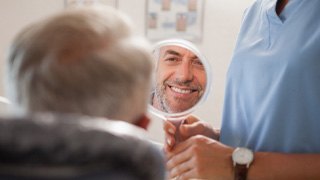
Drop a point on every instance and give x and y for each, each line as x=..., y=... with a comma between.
x=272, y=99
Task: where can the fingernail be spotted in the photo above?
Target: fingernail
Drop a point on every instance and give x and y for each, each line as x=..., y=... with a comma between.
x=169, y=142
x=171, y=131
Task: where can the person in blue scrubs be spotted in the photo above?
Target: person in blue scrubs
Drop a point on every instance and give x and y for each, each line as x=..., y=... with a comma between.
x=272, y=100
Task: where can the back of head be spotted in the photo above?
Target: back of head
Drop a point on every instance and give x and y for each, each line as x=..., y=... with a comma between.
x=84, y=61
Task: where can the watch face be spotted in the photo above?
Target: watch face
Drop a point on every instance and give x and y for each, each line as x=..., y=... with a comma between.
x=242, y=156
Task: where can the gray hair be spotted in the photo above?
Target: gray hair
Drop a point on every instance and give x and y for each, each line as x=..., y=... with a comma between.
x=85, y=61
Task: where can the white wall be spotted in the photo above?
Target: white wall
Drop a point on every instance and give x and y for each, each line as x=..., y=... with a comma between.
x=221, y=24
x=15, y=14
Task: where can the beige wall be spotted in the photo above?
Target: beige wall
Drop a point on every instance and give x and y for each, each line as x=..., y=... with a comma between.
x=222, y=20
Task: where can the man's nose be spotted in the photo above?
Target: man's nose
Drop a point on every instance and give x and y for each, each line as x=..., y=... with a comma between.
x=184, y=72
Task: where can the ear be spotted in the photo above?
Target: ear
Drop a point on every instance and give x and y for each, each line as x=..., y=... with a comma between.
x=143, y=122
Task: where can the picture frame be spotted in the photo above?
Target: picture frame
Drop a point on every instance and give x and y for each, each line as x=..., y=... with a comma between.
x=174, y=19
x=76, y=3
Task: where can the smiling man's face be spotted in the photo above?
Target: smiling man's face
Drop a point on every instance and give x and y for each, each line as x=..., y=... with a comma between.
x=180, y=80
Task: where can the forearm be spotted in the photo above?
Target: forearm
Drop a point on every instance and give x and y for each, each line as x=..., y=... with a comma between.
x=284, y=166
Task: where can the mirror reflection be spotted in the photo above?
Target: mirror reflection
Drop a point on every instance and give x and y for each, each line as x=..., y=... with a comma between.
x=180, y=79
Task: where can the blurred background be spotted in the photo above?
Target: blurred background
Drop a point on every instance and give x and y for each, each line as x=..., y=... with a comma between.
x=220, y=24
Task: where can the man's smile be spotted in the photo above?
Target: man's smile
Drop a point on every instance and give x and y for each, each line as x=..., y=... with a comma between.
x=185, y=90
x=185, y=93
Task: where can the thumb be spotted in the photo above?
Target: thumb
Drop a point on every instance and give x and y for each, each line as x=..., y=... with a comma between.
x=191, y=119
x=188, y=130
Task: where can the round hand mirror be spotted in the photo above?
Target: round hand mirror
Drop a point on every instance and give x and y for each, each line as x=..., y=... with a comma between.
x=182, y=79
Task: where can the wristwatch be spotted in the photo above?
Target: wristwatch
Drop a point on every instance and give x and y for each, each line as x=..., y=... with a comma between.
x=242, y=158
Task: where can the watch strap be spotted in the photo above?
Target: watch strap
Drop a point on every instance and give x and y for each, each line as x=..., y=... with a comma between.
x=240, y=172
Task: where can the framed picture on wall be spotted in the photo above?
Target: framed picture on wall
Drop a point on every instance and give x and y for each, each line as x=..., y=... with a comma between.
x=174, y=19
x=74, y=3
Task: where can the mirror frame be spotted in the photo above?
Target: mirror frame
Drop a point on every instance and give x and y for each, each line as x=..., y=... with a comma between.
x=190, y=46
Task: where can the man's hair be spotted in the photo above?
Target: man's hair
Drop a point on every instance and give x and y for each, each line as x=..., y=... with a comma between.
x=84, y=61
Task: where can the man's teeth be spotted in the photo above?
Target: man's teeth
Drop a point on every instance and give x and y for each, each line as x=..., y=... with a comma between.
x=182, y=91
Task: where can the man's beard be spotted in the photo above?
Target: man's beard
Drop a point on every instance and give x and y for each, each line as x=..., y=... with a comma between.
x=164, y=101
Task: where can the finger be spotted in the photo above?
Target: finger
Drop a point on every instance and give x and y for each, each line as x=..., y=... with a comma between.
x=170, y=142
x=191, y=119
x=190, y=174
x=169, y=128
x=188, y=130
x=179, y=148
x=179, y=159
x=180, y=170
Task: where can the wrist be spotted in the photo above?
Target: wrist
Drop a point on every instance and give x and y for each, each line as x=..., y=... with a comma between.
x=241, y=159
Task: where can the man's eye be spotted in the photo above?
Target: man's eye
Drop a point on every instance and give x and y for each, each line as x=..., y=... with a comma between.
x=172, y=59
x=197, y=62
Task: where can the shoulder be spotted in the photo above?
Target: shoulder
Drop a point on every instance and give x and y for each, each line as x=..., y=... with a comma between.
x=61, y=141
